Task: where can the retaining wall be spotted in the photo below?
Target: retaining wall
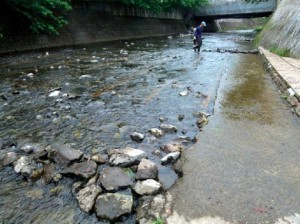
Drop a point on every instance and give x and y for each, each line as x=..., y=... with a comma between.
x=91, y=22
x=283, y=29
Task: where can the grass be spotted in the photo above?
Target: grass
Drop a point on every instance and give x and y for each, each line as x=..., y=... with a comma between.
x=158, y=221
x=282, y=52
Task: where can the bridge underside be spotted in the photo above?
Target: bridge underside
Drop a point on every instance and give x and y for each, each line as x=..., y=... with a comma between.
x=234, y=16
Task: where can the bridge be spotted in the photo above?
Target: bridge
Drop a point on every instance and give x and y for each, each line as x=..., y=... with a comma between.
x=218, y=9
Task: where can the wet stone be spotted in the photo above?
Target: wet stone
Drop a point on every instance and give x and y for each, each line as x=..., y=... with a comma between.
x=168, y=128
x=25, y=166
x=138, y=137
x=99, y=158
x=156, y=132
x=86, y=197
x=65, y=155
x=147, y=187
x=111, y=206
x=125, y=157
x=146, y=170
x=201, y=121
x=170, y=158
x=84, y=170
x=173, y=147
x=114, y=178
x=49, y=172
x=9, y=158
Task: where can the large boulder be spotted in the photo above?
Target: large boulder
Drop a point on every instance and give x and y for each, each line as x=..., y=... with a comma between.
x=146, y=170
x=65, y=155
x=111, y=206
x=86, y=197
x=85, y=169
x=125, y=157
x=114, y=178
x=147, y=187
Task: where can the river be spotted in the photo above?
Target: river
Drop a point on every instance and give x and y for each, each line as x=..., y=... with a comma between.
x=107, y=91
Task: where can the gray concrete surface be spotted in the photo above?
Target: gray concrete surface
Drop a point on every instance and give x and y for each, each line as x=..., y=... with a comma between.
x=245, y=167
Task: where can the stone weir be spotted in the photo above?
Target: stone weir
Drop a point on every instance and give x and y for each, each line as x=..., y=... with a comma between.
x=92, y=22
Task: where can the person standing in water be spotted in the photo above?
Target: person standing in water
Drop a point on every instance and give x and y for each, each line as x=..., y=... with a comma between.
x=198, y=35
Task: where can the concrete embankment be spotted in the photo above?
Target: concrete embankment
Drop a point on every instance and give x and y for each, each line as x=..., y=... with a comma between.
x=286, y=74
x=283, y=30
x=97, y=22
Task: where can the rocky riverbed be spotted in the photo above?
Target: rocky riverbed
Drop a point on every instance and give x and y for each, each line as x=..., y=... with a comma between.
x=95, y=134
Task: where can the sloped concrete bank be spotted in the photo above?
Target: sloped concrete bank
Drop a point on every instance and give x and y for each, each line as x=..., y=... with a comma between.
x=283, y=30
x=97, y=22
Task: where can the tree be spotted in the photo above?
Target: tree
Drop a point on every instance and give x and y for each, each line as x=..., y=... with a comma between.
x=159, y=5
x=43, y=16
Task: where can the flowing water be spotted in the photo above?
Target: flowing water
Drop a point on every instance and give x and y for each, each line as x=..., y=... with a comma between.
x=107, y=91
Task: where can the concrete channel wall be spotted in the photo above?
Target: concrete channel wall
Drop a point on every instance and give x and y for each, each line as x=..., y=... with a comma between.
x=283, y=30
x=92, y=22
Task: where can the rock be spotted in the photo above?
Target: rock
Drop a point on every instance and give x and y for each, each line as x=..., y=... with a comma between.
x=36, y=174
x=147, y=187
x=173, y=147
x=162, y=119
x=146, y=170
x=184, y=93
x=158, y=207
x=39, y=117
x=9, y=158
x=93, y=180
x=114, y=178
x=86, y=197
x=54, y=93
x=156, y=152
x=99, y=159
x=110, y=206
x=297, y=110
x=156, y=132
x=85, y=76
x=24, y=165
x=49, y=172
x=126, y=157
x=168, y=128
x=201, y=121
x=180, y=117
x=57, y=177
x=65, y=155
x=201, y=114
x=138, y=137
x=84, y=170
x=170, y=158
x=293, y=101
x=28, y=148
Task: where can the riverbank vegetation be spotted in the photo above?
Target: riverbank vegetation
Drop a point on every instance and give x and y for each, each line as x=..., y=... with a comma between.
x=49, y=16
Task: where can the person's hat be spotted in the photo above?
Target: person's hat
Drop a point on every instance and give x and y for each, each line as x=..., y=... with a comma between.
x=203, y=23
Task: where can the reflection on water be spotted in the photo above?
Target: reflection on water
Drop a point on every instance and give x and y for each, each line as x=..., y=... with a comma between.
x=248, y=100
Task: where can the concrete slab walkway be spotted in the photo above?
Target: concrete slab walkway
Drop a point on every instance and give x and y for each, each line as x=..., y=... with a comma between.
x=287, y=68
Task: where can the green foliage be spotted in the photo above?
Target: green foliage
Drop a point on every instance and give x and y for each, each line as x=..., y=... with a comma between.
x=158, y=221
x=282, y=52
x=159, y=5
x=44, y=16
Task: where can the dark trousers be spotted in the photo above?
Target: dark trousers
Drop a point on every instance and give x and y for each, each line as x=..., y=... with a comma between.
x=199, y=44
